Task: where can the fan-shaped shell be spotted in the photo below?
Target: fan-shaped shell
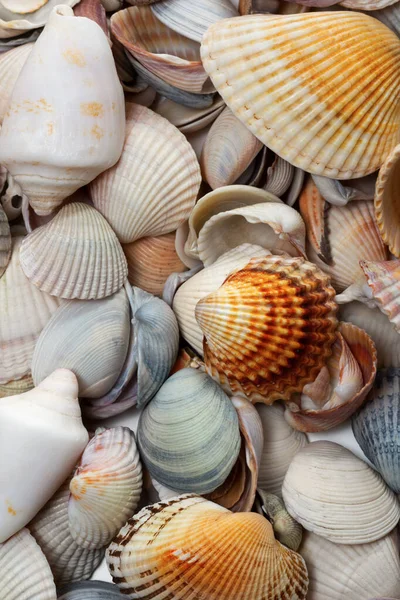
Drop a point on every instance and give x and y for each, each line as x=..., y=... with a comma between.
x=189, y=433
x=75, y=255
x=106, y=487
x=270, y=75
x=383, y=279
x=153, y=187
x=227, y=555
x=5, y=241
x=89, y=338
x=387, y=201
x=90, y=590
x=14, y=23
x=269, y=329
x=11, y=64
x=334, y=494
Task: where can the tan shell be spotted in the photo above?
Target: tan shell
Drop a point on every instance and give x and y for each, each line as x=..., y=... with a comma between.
x=387, y=201
x=20, y=386
x=5, y=241
x=75, y=255
x=14, y=23
x=11, y=64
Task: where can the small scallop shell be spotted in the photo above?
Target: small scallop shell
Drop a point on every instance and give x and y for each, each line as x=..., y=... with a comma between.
x=106, y=487
x=277, y=309
x=189, y=435
x=269, y=74
x=350, y=504
x=5, y=241
x=153, y=187
x=24, y=571
x=11, y=23
x=387, y=201
x=90, y=590
x=383, y=279
x=228, y=555
x=11, y=64
x=75, y=255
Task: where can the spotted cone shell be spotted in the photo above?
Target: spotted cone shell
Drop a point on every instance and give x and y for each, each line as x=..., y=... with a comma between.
x=269, y=329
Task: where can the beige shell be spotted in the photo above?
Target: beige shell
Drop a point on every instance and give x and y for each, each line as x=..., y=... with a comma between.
x=11, y=64
x=153, y=187
x=383, y=279
x=5, y=241
x=14, y=23
x=320, y=489
x=387, y=201
x=75, y=255
x=20, y=386
x=270, y=75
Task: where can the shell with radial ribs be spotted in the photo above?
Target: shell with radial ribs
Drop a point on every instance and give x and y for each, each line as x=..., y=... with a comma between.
x=270, y=75
x=153, y=187
x=11, y=64
x=269, y=328
x=90, y=590
x=228, y=555
x=106, y=487
x=383, y=279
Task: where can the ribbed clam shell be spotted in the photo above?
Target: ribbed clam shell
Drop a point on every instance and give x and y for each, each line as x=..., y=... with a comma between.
x=192, y=21
x=281, y=443
x=13, y=23
x=228, y=150
x=334, y=494
x=377, y=423
x=296, y=99
x=68, y=561
x=106, y=487
x=75, y=255
x=188, y=120
x=153, y=187
x=20, y=386
x=367, y=4
x=335, y=192
x=5, y=241
x=279, y=177
x=211, y=553
x=205, y=282
x=286, y=529
x=151, y=260
x=90, y=590
x=189, y=433
x=11, y=64
x=24, y=571
x=383, y=279
x=89, y=338
x=269, y=329
x=337, y=571
x=28, y=311
x=165, y=53
x=387, y=201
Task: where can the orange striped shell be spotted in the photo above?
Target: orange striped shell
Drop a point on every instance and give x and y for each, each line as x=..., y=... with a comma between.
x=269, y=328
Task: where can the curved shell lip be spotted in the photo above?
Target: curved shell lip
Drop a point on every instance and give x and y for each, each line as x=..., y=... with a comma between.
x=18, y=26
x=381, y=196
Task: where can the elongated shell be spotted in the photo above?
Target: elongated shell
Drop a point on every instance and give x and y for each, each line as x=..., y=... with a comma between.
x=11, y=64
x=89, y=338
x=326, y=505
x=303, y=111
x=15, y=23
x=106, y=487
x=153, y=187
x=387, y=201
x=65, y=120
x=228, y=555
x=5, y=241
x=279, y=310
x=76, y=255
x=189, y=433
x=90, y=590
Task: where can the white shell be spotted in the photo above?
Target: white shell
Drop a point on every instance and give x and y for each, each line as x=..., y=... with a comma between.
x=11, y=64
x=13, y=23
x=65, y=121
x=41, y=437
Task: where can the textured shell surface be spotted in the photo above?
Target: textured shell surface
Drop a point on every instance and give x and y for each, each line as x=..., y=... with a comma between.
x=153, y=187
x=14, y=23
x=41, y=438
x=269, y=328
x=387, y=201
x=286, y=529
x=75, y=255
x=320, y=488
x=338, y=193
x=90, y=590
x=105, y=488
x=24, y=571
x=189, y=435
x=227, y=555
x=11, y=64
x=5, y=241
x=377, y=424
x=17, y=387
x=383, y=279
x=272, y=71
x=68, y=109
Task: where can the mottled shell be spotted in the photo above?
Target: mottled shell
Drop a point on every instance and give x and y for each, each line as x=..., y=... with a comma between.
x=269, y=329
x=270, y=75
x=228, y=555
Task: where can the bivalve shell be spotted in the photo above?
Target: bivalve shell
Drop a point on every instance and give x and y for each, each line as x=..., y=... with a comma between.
x=5, y=241
x=383, y=279
x=90, y=590
x=16, y=22
x=387, y=201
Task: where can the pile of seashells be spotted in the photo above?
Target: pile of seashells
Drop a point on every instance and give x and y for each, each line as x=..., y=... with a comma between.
x=199, y=271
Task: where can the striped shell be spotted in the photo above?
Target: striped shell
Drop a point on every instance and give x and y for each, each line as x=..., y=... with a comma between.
x=383, y=279
x=288, y=82
x=387, y=203
x=211, y=552
x=269, y=329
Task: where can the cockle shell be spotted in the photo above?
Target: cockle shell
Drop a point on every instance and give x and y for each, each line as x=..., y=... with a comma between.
x=269, y=329
x=264, y=69
x=281, y=443
x=189, y=433
x=14, y=22
x=377, y=423
x=41, y=437
x=24, y=312
x=387, y=201
x=383, y=279
x=75, y=255
x=89, y=338
x=24, y=571
x=320, y=489
x=90, y=590
x=228, y=555
x=153, y=187
x=5, y=241
x=68, y=109
x=68, y=561
x=354, y=572
x=106, y=487
x=11, y=64
x=286, y=529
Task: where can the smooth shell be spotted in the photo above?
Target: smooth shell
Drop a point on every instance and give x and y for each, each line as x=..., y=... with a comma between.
x=11, y=64
x=90, y=590
x=387, y=201
x=5, y=241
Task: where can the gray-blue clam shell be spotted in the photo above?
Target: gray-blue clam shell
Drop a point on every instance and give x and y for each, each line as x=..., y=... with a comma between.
x=376, y=426
x=90, y=590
